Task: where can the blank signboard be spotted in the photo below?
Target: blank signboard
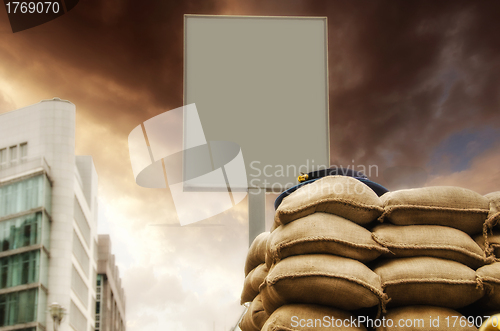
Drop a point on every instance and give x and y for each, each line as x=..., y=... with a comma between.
x=261, y=82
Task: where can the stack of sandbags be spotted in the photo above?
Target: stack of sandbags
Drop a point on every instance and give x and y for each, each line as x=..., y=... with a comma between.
x=318, y=248
x=255, y=273
x=326, y=252
x=433, y=256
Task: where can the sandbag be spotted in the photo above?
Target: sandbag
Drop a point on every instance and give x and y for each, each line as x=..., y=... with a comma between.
x=425, y=318
x=252, y=283
x=489, y=277
x=455, y=207
x=322, y=233
x=311, y=317
x=339, y=195
x=428, y=281
x=255, y=316
x=256, y=253
x=493, y=247
x=494, y=214
x=430, y=240
x=492, y=322
x=321, y=279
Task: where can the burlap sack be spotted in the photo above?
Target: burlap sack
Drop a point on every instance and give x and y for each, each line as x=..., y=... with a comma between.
x=321, y=279
x=494, y=214
x=430, y=240
x=252, y=283
x=340, y=195
x=257, y=252
x=428, y=281
x=489, y=277
x=455, y=207
x=425, y=318
x=255, y=316
x=311, y=317
x=322, y=233
x=493, y=246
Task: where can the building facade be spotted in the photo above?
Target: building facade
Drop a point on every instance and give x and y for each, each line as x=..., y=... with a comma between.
x=48, y=220
x=110, y=297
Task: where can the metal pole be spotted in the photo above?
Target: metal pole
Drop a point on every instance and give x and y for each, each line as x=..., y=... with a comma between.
x=256, y=213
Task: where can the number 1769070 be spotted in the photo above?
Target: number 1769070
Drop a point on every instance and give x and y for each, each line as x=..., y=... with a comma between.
x=39, y=7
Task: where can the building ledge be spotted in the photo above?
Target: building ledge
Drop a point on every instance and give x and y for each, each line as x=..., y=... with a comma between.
x=19, y=288
x=27, y=212
x=22, y=326
x=56, y=99
x=24, y=250
x=24, y=169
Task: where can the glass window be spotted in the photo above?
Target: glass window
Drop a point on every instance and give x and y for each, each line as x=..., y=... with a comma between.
x=3, y=158
x=43, y=276
x=18, y=307
x=94, y=281
x=13, y=154
x=42, y=307
x=19, y=269
x=4, y=275
x=24, y=151
x=24, y=195
x=48, y=196
x=21, y=231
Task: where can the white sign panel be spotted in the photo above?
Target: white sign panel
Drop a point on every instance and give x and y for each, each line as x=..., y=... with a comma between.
x=262, y=83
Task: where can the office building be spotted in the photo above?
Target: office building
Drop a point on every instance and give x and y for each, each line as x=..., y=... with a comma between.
x=48, y=220
x=110, y=297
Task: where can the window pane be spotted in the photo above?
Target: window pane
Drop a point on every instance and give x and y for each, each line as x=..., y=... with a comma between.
x=22, y=196
x=13, y=154
x=20, y=232
x=19, y=269
x=43, y=269
x=3, y=157
x=24, y=150
x=18, y=307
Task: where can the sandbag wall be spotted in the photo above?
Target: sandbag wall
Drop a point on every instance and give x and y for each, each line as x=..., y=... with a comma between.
x=336, y=245
x=431, y=271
